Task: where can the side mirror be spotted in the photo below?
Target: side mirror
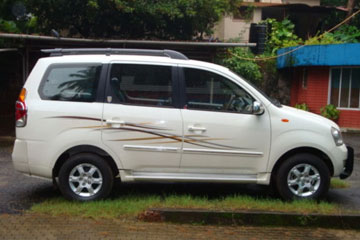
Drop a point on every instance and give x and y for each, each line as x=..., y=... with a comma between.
x=257, y=108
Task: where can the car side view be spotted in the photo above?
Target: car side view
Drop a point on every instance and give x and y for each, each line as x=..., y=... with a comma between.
x=87, y=116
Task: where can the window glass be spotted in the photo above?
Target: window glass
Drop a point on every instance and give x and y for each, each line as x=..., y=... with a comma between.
x=71, y=83
x=142, y=84
x=355, y=88
x=335, y=84
x=209, y=91
x=244, y=13
x=345, y=84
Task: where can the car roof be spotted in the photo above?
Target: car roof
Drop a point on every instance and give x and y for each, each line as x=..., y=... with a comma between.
x=106, y=59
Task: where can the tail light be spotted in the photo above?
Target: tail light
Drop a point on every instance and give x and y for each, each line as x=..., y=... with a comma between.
x=21, y=109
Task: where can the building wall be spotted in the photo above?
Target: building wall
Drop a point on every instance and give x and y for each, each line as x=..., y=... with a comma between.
x=228, y=27
x=307, y=2
x=316, y=91
x=315, y=95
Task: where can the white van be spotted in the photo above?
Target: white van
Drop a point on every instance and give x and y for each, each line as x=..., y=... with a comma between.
x=88, y=116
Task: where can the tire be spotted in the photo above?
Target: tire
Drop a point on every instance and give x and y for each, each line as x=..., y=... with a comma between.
x=302, y=176
x=85, y=177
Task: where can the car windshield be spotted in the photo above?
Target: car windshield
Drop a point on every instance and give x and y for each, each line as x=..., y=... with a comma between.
x=272, y=100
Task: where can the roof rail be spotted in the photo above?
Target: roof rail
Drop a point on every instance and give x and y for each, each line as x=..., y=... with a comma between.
x=114, y=51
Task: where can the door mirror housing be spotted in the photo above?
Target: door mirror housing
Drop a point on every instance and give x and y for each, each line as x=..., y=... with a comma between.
x=257, y=108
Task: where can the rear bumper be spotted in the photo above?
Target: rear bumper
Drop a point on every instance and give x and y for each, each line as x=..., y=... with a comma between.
x=349, y=164
x=20, y=156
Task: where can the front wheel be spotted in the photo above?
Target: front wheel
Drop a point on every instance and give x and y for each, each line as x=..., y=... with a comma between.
x=303, y=176
x=85, y=177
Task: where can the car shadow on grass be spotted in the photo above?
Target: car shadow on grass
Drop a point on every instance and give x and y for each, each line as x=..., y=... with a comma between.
x=203, y=190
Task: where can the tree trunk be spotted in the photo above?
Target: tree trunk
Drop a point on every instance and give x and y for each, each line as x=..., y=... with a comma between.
x=350, y=7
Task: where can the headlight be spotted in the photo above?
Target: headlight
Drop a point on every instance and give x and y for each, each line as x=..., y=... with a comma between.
x=337, y=136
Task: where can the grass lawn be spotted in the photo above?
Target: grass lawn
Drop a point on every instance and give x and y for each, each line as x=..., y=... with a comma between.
x=129, y=200
x=132, y=205
x=338, y=183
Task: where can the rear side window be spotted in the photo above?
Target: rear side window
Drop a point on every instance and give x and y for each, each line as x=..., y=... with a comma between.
x=146, y=85
x=76, y=83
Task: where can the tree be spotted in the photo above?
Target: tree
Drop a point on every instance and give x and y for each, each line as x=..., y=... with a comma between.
x=135, y=19
x=14, y=17
x=337, y=16
x=350, y=7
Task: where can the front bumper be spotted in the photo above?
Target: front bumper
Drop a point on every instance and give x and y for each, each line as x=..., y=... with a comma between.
x=349, y=164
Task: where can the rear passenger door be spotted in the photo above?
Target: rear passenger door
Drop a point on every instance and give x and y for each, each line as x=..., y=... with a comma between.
x=143, y=126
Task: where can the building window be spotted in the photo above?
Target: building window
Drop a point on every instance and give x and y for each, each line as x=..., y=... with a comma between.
x=304, y=78
x=345, y=87
x=244, y=13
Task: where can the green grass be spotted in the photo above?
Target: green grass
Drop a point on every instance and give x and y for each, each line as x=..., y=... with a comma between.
x=132, y=205
x=338, y=183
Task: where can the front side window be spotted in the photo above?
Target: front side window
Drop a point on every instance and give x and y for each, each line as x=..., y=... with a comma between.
x=137, y=84
x=210, y=91
x=345, y=87
x=71, y=83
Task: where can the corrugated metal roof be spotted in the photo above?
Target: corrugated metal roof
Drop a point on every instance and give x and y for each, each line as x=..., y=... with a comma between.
x=320, y=55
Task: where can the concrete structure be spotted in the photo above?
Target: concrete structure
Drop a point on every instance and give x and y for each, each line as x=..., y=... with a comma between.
x=253, y=11
x=326, y=74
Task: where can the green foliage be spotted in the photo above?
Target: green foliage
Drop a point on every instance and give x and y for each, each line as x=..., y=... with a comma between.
x=345, y=34
x=330, y=112
x=281, y=35
x=302, y=106
x=16, y=21
x=327, y=38
x=133, y=204
x=152, y=19
x=249, y=12
x=8, y=26
x=249, y=70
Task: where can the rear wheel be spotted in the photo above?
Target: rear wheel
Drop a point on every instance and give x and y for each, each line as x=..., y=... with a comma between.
x=85, y=177
x=303, y=176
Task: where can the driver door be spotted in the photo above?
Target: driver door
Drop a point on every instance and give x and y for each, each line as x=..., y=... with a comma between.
x=221, y=134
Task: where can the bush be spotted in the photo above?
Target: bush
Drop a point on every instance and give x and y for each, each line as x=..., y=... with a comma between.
x=281, y=35
x=302, y=106
x=330, y=112
x=327, y=38
x=345, y=34
x=248, y=69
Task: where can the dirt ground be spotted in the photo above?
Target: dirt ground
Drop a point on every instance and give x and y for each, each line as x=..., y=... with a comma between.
x=46, y=227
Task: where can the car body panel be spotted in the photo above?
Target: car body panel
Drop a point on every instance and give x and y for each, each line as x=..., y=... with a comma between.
x=253, y=143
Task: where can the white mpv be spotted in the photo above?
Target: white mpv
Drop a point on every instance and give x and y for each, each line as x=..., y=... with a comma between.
x=88, y=116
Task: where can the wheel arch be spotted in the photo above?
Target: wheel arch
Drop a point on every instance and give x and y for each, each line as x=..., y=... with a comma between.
x=323, y=156
x=84, y=149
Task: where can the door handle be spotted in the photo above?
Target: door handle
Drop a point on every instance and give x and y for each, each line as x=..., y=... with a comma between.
x=115, y=123
x=196, y=129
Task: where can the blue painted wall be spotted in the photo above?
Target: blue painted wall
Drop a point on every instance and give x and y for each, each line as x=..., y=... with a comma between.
x=320, y=55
